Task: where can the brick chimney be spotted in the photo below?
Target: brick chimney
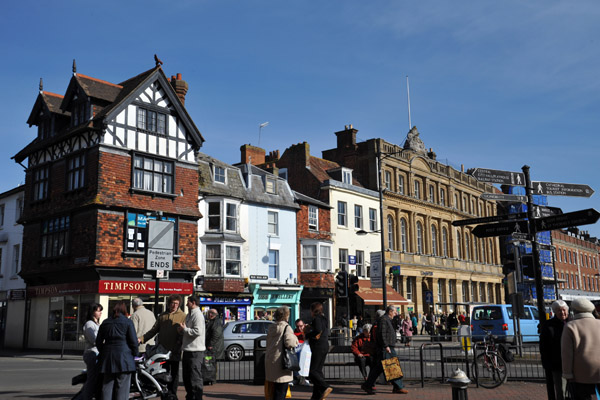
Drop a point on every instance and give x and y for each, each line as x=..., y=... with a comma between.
x=252, y=154
x=346, y=138
x=180, y=86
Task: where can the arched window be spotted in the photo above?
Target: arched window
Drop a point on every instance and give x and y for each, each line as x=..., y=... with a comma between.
x=434, y=247
x=444, y=242
x=390, y=227
x=403, y=235
x=419, y=238
x=467, y=249
x=475, y=250
x=458, y=245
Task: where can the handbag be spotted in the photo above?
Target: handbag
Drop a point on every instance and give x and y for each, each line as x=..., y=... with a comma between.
x=289, y=357
x=392, y=369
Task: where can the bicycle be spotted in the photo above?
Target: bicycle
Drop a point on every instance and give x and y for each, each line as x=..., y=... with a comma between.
x=489, y=368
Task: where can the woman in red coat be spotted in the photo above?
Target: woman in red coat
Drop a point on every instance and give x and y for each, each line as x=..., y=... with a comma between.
x=361, y=348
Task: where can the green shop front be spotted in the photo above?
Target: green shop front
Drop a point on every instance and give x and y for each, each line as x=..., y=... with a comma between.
x=267, y=298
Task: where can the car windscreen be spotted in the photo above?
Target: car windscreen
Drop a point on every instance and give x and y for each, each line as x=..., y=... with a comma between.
x=526, y=315
x=487, y=313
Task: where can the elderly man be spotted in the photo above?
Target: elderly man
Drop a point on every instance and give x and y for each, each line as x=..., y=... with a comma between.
x=550, y=337
x=580, y=350
x=215, y=346
x=385, y=340
x=143, y=320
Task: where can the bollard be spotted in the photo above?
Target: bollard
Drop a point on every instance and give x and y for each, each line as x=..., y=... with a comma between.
x=460, y=383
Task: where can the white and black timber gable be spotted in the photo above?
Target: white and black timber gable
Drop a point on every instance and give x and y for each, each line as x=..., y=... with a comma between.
x=95, y=112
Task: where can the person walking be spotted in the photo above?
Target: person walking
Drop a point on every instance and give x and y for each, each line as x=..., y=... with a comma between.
x=423, y=323
x=117, y=347
x=193, y=331
x=143, y=320
x=318, y=338
x=413, y=319
x=361, y=348
x=550, y=350
x=215, y=345
x=90, y=354
x=384, y=349
x=166, y=326
x=580, y=351
x=407, y=330
x=280, y=336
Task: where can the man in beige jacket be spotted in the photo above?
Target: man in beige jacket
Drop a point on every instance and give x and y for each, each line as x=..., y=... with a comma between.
x=143, y=320
x=580, y=350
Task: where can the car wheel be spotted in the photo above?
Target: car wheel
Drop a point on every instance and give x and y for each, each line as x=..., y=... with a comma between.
x=235, y=353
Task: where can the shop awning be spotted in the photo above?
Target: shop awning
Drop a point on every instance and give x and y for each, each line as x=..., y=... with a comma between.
x=373, y=297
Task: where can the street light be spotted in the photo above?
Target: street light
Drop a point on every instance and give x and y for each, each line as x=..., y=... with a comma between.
x=380, y=231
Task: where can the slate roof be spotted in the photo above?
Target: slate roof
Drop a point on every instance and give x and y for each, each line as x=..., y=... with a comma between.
x=256, y=193
x=305, y=199
x=235, y=187
x=98, y=88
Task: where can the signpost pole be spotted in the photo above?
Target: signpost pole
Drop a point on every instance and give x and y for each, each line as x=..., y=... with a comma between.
x=537, y=272
x=156, y=291
x=380, y=187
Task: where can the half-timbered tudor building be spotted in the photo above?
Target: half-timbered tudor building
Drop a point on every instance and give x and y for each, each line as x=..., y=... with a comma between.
x=107, y=158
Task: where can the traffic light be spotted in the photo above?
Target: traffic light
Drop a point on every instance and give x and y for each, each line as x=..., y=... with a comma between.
x=341, y=284
x=352, y=284
x=527, y=264
x=510, y=261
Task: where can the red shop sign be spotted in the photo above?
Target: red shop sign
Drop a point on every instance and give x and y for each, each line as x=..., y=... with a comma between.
x=144, y=287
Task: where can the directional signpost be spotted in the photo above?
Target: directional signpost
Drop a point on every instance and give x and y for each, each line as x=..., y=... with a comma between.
x=498, y=176
x=539, y=218
x=583, y=217
x=504, y=197
x=561, y=189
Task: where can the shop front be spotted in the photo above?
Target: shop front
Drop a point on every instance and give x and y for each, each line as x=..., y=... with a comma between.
x=371, y=300
x=57, y=312
x=234, y=307
x=267, y=298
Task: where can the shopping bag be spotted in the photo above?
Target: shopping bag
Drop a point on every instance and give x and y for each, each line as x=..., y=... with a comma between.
x=288, y=395
x=305, y=356
x=392, y=369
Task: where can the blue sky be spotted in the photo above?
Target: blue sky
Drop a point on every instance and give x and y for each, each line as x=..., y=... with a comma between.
x=492, y=84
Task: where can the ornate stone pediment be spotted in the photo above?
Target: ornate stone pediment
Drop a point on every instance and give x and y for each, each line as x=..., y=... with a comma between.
x=413, y=142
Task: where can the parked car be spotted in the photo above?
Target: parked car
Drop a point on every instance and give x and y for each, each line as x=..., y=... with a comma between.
x=239, y=337
x=498, y=318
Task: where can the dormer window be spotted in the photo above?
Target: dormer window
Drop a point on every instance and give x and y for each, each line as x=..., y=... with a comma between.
x=45, y=128
x=270, y=185
x=151, y=121
x=80, y=113
x=347, y=176
x=219, y=174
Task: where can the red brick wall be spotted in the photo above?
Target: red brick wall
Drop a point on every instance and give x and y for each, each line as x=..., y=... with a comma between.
x=223, y=285
x=313, y=279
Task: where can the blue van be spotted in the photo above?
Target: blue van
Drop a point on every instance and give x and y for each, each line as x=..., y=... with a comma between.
x=498, y=319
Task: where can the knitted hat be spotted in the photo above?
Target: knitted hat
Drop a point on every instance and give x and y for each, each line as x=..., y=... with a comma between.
x=582, y=305
x=380, y=313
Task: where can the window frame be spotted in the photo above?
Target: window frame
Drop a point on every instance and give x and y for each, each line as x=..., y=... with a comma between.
x=403, y=235
x=148, y=120
x=322, y=261
x=342, y=211
x=420, y=238
x=41, y=183
x=390, y=233
x=358, y=216
x=372, y=219
x=220, y=174
x=16, y=260
x=360, y=264
x=273, y=223
x=142, y=172
x=387, y=180
x=343, y=259
x=400, y=183
x=76, y=173
x=313, y=218
x=274, y=265
x=55, y=237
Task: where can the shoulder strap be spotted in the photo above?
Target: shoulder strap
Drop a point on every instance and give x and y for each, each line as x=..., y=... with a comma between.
x=283, y=334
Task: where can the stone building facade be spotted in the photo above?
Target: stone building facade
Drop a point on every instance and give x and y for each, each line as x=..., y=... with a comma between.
x=439, y=263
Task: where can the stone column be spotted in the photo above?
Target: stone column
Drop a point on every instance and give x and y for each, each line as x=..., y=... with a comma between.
x=459, y=293
x=418, y=295
x=434, y=289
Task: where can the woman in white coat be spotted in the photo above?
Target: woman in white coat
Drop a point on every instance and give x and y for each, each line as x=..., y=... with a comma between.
x=280, y=335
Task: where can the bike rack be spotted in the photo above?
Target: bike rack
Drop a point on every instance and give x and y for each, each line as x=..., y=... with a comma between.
x=421, y=359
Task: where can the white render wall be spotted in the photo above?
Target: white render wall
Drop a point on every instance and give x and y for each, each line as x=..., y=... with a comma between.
x=13, y=232
x=259, y=242
x=345, y=237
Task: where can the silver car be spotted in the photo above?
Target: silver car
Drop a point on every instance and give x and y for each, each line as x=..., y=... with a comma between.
x=239, y=337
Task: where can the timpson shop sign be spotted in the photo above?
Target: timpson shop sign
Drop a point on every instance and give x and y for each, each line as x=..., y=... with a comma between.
x=108, y=287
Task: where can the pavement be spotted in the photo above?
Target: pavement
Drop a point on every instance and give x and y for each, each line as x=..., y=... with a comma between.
x=510, y=390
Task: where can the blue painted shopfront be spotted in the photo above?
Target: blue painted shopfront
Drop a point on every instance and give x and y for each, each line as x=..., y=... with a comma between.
x=267, y=298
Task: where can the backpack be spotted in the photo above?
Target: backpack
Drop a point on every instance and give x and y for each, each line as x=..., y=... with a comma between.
x=505, y=352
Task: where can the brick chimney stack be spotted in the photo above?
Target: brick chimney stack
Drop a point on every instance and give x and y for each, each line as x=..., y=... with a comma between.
x=252, y=154
x=346, y=138
x=180, y=86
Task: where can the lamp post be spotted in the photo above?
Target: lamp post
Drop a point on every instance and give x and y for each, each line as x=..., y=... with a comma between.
x=380, y=158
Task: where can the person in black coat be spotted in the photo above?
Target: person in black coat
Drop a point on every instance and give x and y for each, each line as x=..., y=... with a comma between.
x=215, y=346
x=117, y=345
x=550, y=347
x=317, y=334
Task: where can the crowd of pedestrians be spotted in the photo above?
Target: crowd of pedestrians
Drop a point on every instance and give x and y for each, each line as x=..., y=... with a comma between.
x=111, y=347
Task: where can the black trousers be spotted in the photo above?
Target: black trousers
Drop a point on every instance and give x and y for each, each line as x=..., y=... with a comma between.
x=316, y=377
x=362, y=363
x=173, y=367
x=583, y=391
x=192, y=374
x=280, y=390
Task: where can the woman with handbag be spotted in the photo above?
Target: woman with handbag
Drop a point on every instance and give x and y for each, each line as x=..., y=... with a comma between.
x=280, y=337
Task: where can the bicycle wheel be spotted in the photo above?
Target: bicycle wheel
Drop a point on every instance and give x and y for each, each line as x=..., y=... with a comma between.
x=490, y=370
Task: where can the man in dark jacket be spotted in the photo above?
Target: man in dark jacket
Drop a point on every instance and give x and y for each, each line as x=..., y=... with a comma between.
x=317, y=335
x=550, y=337
x=215, y=347
x=384, y=343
